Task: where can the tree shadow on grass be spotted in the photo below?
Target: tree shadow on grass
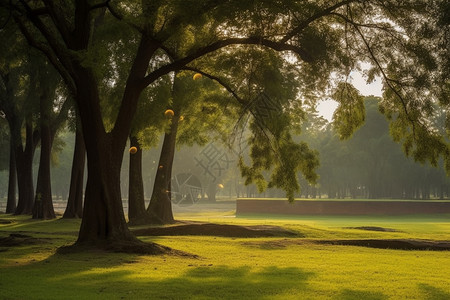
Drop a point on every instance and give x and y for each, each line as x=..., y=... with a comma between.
x=223, y=282
x=348, y=294
x=104, y=278
x=433, y=293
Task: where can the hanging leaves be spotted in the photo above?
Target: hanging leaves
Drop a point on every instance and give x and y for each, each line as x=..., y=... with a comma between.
x=350, y=113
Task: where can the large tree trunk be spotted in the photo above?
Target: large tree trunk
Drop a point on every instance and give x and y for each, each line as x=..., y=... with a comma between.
x=136, y=202
x=160, y=207
x=24, y=163
x=103, y=222
x=74, y=208
x=12, y=181
x=103, y=218
x=43, y=203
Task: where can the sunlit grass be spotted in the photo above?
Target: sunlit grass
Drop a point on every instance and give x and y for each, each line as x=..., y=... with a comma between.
x=233, y=268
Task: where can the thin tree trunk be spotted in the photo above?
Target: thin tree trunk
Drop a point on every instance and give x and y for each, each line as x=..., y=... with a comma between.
x=43, y=203
x=12, y=181
x=211, y=191
x=74, y=208
x=136, y=202
x=24, y=163
x=160, y=207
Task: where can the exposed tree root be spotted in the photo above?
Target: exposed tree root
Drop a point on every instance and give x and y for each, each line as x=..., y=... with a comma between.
x=129, y=246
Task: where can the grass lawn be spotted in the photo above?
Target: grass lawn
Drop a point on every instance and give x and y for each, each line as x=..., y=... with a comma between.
x=232, y=268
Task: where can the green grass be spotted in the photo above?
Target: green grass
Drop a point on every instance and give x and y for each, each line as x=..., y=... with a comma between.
x=233, y=268
x=349, y=199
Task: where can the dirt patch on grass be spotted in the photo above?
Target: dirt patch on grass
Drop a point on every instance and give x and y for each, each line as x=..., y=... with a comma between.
x=210, y=229
x=398, y=244
x=17, y=239
x=373, y=228
x=395, y=244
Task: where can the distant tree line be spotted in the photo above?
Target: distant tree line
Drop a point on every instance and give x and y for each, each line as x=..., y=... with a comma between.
x=370, y=164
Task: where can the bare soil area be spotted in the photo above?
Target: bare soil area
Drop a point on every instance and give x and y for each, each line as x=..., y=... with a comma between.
x=395, y=244
x=210, y=229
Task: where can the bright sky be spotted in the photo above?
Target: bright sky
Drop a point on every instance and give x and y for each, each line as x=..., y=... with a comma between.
x=327, y=107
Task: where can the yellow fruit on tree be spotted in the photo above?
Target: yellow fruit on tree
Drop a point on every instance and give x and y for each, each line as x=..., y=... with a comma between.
x=133, y=150
x=169, y=113
x=197, y=76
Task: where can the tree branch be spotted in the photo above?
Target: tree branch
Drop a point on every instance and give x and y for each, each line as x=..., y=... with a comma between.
x=311, y=19
x=116, y=14
x=383, y=73
x=58, y=20
x=54, y=60
x=219, y=81
x=180, y=63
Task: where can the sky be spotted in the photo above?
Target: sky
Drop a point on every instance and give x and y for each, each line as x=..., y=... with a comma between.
x=327, y=107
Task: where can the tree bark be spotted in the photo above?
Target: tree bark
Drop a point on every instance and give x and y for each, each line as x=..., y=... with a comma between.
x=12, y=181
x=160, y=207
x=24, y=163
x=136, y=202
x=211, y=192
x=43, y=203
x=74, y=208
x=103, y=218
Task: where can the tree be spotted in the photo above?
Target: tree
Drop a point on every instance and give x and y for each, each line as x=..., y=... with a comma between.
x=19, y=88
x=74, y=208
x=326, y=38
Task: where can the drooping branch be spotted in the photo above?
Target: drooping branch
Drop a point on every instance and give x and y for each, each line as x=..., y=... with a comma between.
x=219, y=81
x=246, y=104
x=382, y=71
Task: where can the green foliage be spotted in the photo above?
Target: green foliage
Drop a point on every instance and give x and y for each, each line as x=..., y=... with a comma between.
x=350, y=113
